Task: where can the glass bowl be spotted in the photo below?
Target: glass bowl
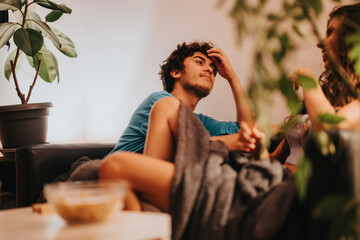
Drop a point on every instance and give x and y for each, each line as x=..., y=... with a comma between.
x=86, y=201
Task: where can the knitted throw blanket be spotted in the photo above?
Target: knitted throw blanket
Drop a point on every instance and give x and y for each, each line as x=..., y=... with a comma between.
x=217, y=194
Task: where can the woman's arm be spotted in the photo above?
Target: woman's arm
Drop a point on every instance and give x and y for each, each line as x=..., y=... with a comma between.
x=316, y=103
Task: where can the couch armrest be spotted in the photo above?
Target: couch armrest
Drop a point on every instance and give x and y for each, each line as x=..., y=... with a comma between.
x=40, y=164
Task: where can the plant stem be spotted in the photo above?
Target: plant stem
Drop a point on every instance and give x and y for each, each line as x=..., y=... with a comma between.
x=33, y=84
x=21, y=96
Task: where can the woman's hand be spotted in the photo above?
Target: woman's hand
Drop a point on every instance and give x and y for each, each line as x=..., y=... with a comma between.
x=303, y=72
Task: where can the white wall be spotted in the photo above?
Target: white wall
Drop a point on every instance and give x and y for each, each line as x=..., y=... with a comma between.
x=120, y=45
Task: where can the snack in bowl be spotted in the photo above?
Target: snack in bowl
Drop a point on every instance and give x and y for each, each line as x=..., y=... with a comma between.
x=86, y=201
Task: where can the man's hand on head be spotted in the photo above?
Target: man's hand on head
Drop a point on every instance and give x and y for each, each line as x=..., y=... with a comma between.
x=222, y=63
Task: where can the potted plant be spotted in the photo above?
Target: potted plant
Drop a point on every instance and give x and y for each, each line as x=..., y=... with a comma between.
x=26, y=123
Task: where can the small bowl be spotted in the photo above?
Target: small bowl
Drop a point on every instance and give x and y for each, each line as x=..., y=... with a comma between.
x=86, y=201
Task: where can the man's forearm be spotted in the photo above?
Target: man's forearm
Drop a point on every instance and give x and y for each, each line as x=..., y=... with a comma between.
x=244, y=112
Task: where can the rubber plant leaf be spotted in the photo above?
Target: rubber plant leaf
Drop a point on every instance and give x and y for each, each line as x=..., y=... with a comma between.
x=6, y=31
x=7, y=66
x=48, y=32
x=30, y=24
x=49, y=67
x=53, y=16
x=67, y=46
x=28, y=40
x=10, y=5
x=53, y=6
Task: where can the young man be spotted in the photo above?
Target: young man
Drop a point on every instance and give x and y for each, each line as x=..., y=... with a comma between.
x=188, y=74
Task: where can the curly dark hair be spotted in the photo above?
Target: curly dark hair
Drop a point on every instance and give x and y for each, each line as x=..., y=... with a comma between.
x=332, y=84
x=176, y=61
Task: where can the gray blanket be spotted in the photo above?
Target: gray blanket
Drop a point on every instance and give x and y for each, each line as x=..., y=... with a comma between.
x=217, y=194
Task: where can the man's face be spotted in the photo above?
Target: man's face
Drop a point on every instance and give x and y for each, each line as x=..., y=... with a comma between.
x=198, y=75
x=330, y=44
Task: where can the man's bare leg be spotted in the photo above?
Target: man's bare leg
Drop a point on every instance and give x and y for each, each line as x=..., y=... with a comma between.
x=149, y=175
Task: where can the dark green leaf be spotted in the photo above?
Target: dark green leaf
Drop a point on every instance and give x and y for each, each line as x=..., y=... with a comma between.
x=10, y=5
x=61, y=7
x=306, y=81
x=331, y=206
x=316, y=5
x=28, y=40
x=297, y=31
x=302, y=176
x=53, y=6
x=6, y=31
x=48, y=32
x=7, y=66
x=273, y=17
x=330, y=118
x=53, y=16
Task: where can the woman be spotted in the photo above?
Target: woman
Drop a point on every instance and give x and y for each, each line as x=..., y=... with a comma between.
x=331, y=94
x=151, y=177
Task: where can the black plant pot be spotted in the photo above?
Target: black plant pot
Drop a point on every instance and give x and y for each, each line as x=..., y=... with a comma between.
x=24, y=124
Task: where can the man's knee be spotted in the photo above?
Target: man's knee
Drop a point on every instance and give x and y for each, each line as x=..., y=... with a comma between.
x=112, y=167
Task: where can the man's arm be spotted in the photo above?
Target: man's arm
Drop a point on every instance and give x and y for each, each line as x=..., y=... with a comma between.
x=244, y=112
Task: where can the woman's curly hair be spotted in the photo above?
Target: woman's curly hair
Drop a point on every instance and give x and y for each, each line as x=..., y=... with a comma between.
x=176, y=61
x=332, y=84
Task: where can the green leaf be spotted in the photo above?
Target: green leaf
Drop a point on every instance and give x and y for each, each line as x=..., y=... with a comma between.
x=353, y=38
x=354, y=53
x=53, y=16
x=324, y=143
x=330, y=118
x=48, y=32
x=49, y=67
x=293, y=101
x=10, y=5
x=306, y=82
x=6, y=31
x=290, y=124
x=298, y=31
x=7, y=66
x=302, y=176
x=28, y=40
x=330, y=206
x=30, y=24
x=53, y=6
x=316, y=5
x=67, y=46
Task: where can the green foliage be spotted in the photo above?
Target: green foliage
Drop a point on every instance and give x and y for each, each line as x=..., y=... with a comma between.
x=330, y=118
x=275, y=30
x=324, y=143
x=6, y=32
x=29, y=34
x=306, y=81
x=341, y=210
x=302, y=176
x=354, y=53
x=28, y=40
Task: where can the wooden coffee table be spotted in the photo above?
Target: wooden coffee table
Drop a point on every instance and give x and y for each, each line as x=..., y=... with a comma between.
x=23, y=223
